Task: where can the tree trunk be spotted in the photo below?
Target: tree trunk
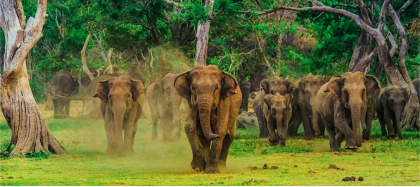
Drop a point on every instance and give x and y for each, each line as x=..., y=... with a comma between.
x=203, y=38
x=29, y=130
x=83, y=54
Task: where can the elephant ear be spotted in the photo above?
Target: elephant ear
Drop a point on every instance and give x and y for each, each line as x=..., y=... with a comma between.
x=372, y=85
x=334, y=86
x=290, y=87
x=182, y=86
x=229, y=85
x=102, y=91
x=137, y=88
x=267, y=100
x=264, y=84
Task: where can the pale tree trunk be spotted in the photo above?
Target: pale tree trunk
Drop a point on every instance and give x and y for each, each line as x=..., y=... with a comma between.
x=83, y=54
x=29, y=130
x=203, y=38
x=395, y=75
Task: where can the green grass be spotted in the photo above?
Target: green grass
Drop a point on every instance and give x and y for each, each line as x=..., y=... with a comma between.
x=380, y=161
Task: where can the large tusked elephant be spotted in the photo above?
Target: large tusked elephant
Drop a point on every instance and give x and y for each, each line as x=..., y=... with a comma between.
x=121, y=111
x=214, y=98
x=165, y=105
x=390, y=105
x=305, y=108
x=341, y=102
x=278, y=111
x=271, y=85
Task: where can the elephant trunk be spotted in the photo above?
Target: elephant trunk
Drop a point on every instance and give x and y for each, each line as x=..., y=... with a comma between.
x=116, y=130
x=364, y=116
x=315, y=119
x=356, y=108
x=204, y=105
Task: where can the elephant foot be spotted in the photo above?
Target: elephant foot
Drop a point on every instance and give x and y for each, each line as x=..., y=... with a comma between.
x=211, y=169
x=197, y=164
x=392, y=136
x=282, y=143
x=352, y=147
x=334, y=149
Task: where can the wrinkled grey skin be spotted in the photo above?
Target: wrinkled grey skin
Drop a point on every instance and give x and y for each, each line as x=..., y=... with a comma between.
x=277, y=113
x=390, y=105
x=214, y=98
x=304, y=106
x=121, y=111
x=61, y=87
x=164, y=105
x=271, y=85
x=341, y=103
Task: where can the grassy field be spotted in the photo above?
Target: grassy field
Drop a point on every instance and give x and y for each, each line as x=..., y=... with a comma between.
x=379, y=161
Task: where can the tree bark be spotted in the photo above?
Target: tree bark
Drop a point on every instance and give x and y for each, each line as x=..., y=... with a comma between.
x=203, y=38
x=29, y=130
x=83, y=54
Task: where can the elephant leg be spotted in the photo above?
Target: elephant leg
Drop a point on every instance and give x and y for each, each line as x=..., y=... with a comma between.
x=333, y=141
x=55, y=103
x=340, y=138
x=315, y=123
x=307, y=127
x=388, y=122
x=397, y=128
x=262, y=124
x=227, y=142
x=295, y=123
x=271, y=132
x=382, y=122
x=348, y=135
x=67, y=107
x=212, y=166
x=129, y=133
x=166, y=128
x=198, y=161
x=154, y=128
x=321, y=126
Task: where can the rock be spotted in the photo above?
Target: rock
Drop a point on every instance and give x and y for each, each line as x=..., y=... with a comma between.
x=252, y=168
x=295, y=166
x=332, y=166
x=310, y=171
x=246, y=120
x=265, y=166
x=353, y=178
x=274, y=167
x=360, y=179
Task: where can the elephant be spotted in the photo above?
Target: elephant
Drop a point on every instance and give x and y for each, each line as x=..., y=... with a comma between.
x=341, y=103
x=121, y=111
x=61, y=88
x=271, y=85
x=304, y=106
x=278, y=111
x=165, y=105
x=214, y=99
x=390, y=105
x=373, y=88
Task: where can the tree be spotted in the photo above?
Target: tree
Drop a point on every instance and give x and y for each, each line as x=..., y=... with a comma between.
x=395, y=75
x=203, y=37
x=29, y=130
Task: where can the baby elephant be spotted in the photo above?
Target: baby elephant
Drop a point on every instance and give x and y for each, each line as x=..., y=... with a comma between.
x=278, y=111
x=390, y=105
x=121, y=111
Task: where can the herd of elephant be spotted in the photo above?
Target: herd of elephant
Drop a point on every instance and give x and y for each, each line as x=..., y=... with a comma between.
x=340, y=104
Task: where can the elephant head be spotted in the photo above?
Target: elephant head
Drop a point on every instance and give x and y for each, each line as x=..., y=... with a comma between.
x=280, y=108
x=204, y=87
x=351, y=89
x=119, y=94
x=395, y=99
x=276, y=85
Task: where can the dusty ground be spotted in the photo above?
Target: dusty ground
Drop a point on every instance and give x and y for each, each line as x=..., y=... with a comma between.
x=379, y=161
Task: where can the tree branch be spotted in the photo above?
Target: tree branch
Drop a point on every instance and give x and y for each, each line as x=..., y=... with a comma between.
x=394, y=45
x=406, y=5
x=382, y=15
x=173, y=3
x=83, y=54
